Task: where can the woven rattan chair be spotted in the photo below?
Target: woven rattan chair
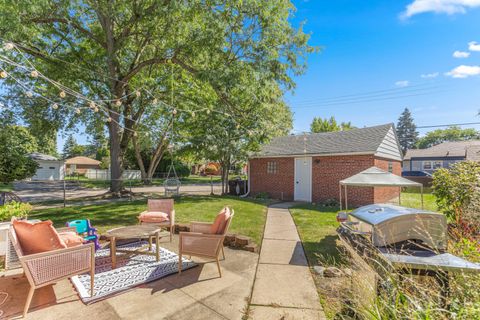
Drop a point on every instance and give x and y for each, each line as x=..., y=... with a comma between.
x=201, y=243
x=49, y=267
x=160, y=205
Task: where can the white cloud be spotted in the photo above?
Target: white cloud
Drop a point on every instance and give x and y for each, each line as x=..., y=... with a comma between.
x=464, y=71
x=402, y=83
x=429, y=75
x=438, y=6
x=461, y=54
x=474, y=46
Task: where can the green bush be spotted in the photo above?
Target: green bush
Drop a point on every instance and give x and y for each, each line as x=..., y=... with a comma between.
x=14, y=209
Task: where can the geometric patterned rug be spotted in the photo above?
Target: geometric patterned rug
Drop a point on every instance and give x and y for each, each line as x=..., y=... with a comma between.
x=131, y=271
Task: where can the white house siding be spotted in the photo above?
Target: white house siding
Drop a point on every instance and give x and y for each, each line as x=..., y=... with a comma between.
x=417, y=165
x=389, y=147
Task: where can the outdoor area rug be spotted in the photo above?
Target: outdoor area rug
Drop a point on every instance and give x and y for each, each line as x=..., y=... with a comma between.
x=131, y=271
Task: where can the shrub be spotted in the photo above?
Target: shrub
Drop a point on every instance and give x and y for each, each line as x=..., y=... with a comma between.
x=262, y=195
x=457, y=188
x=14, y=209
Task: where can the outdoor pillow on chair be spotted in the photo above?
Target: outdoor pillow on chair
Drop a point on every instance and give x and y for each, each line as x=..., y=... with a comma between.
x=153, y=216
x=37, y=237
x=220, y=222
x=71, y=239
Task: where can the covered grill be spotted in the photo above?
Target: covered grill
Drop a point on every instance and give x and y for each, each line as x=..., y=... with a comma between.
x=409, y=241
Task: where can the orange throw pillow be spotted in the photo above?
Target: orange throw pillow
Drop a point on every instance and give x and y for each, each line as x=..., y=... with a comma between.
x=37, y=237
x=154, y=217
x=71, y=239
x=220, y=222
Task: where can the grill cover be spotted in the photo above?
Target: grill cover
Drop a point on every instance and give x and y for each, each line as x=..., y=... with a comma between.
x=389, y=224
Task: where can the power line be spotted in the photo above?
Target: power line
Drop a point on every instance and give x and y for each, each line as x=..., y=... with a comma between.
x=449, y=125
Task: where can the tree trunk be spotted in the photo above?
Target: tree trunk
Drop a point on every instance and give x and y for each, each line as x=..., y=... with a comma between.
x=116, y=159
x=138, y=156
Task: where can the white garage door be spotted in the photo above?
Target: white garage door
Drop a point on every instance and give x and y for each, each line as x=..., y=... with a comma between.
x=47, y=172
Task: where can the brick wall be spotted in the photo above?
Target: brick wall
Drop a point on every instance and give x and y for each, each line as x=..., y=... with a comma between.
x=278, y=185
x=326, y=175
x=387, y=194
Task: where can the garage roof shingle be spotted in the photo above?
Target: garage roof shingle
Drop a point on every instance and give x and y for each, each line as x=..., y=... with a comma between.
x=361, y=140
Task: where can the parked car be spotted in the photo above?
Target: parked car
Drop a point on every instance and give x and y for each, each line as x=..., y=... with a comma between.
x=416, y=174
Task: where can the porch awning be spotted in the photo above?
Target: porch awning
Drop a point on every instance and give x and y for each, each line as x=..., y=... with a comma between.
x=376, y=177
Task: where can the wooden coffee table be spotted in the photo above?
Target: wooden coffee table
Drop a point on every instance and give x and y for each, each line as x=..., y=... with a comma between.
x=136, y=232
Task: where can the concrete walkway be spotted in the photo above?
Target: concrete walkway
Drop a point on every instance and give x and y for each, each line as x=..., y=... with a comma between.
x=284, y=287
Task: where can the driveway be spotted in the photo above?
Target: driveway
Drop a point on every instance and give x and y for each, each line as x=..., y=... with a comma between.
x=43, y=191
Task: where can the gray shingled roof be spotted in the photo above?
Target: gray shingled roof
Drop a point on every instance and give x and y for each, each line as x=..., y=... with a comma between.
x=362, y=140
x=42, y=157
x=469, y=149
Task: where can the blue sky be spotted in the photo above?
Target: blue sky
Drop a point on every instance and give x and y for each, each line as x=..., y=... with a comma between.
x=372, y=46
x=373, y=57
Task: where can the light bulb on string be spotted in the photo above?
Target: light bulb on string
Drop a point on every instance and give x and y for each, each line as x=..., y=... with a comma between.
x=95, y=109
x=3, y=74
x=155, y=101
x=62, y=94
x=55, y=106
x=8, y=46
x=109, y=119
x=34, y=74
x=138, y=93
x=135, y=134
x=193, y=114
x=29, y=94
x=92, y=105
x=174, y=112
x=77, y=111
x=118, y=103
x=208, y=111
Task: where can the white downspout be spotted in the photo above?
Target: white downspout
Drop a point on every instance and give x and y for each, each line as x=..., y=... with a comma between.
x=248, y=181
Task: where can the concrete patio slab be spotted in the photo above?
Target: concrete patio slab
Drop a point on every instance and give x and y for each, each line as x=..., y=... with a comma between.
x=283, y=252
x=285, y=286
x=277, y=313
x=198, y=293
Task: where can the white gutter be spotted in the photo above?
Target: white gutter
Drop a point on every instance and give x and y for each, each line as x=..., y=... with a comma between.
x=248, y=181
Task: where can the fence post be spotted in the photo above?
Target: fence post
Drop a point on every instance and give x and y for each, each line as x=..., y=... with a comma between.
x=211, y=186
x=64, y=196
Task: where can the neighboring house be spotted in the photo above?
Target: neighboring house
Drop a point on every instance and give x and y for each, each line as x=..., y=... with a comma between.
x=442, y=155
x=81, y=165
x=309, y=167
x=49, y=167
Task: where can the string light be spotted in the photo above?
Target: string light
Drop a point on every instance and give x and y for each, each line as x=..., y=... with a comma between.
x=193, y=114
x=155, y=101
x=8, y=46
x=3, y=74
x=135, y=134
x=118, y=103
x=62, y=94
x=174, y=112
x=109, y=119
x=208, y=111
x=77, y=111
x=95, y=109
x=29, y=94
x=34, y=74
x=55, y=106
x=138, y=93
x=92, y=105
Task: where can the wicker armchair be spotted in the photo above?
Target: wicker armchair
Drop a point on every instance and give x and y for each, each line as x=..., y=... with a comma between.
x=49, y=267
x=160, y=205
x=201, y=243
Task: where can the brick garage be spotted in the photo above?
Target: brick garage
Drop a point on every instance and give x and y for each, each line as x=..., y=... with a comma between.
x=334, y=157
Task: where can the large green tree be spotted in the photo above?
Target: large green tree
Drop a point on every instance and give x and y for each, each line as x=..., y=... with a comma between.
x=15, y=145
x=327, y=125
x=453, y=133
x=113, y=48
x=407, y=131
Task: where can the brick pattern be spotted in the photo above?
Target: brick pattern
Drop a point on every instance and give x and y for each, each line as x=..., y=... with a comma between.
x=326, y=175
x=278, y=185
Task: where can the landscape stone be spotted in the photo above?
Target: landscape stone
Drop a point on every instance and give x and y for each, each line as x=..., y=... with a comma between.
x=332, y=272
x=319, y=270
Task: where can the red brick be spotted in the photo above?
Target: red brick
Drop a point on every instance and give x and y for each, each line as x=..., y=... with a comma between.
x=326, y=175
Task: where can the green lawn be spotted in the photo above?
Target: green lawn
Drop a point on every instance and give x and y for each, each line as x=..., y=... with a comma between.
x=249, y=216
x=6, y=187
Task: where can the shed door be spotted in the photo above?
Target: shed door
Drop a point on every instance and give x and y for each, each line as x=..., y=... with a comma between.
x=303, y=179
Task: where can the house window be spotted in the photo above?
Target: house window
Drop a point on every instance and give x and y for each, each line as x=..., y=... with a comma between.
x=390, y=166
x=437, y=164
x=272, y=167
x=427, y=165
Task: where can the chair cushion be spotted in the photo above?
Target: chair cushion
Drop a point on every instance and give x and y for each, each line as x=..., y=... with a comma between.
x=37, y=237
x=220, y=222
x=154, y=216
x=71, y=239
